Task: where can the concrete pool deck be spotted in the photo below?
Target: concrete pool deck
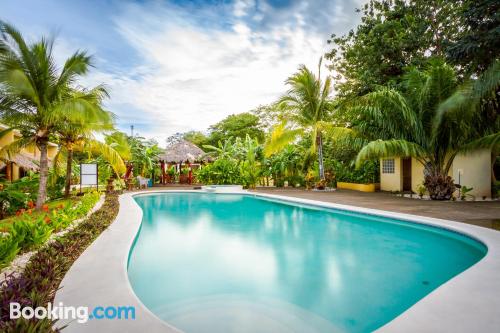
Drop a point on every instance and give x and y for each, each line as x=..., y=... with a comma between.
x=468, y=302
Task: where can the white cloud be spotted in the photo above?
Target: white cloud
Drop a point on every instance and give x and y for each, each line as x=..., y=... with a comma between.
x=196, y=70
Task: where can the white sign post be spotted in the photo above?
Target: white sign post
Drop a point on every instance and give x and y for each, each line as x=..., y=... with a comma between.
x=89, y=175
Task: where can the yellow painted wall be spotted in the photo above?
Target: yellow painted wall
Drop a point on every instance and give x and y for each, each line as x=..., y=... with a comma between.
x=475, y=172
x=392, y=181
x=358, y=187
x=417, y=174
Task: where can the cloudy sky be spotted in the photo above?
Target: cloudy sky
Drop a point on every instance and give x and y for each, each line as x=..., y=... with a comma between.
x=174, y=66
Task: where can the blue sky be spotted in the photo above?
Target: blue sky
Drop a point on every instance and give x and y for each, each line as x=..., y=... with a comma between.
x=174, y=66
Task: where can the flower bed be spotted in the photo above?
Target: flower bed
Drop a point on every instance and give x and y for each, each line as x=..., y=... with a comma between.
x=37, y=285
x=30, y=231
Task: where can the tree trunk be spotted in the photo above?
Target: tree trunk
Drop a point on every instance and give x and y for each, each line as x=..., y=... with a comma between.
x=69, y=166
x=44, y=172
x=319, y=141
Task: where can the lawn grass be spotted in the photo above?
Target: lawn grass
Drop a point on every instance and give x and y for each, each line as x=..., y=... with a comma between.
x=7, y=222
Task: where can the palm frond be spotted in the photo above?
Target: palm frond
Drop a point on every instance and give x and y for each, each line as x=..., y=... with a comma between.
x=389, y=148
x=279, y=138
x=491, y=142
x=109, y=154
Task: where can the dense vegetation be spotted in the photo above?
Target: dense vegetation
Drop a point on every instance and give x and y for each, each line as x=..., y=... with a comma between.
x=38, y=283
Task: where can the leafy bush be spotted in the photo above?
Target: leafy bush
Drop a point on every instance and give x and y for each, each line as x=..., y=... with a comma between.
x=55, y=187
x=8, y=249
x=11, y=200
x=30, y=233
x=222, y=172
x=40, y=279
x=368, y=173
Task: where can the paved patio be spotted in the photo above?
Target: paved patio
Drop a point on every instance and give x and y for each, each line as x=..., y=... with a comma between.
x=481, y=213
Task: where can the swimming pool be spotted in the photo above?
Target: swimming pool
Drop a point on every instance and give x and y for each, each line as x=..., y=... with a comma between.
x=235, y=262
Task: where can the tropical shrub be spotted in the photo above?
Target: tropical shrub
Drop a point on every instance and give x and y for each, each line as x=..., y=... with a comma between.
x=222, y=171
x=367, y=173
x=10, y=200
x=8, y=249
x=55, y=187
x=30, y=233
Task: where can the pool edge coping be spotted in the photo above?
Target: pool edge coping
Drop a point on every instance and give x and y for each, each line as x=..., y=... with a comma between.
x=448, y=305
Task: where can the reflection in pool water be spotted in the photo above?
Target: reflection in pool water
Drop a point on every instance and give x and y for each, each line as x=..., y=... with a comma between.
x=236, y=263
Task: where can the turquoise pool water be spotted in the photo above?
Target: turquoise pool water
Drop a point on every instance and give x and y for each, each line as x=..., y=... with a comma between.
x=238, y=263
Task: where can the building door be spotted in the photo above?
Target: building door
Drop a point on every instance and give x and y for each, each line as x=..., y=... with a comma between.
x=407, y=174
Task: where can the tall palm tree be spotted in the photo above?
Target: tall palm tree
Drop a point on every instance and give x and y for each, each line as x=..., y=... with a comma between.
x=307, y=104
x=36, y=95
x=74, y=136
x=431, y=119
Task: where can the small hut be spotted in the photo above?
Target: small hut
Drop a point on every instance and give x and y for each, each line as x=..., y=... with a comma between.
x=185, y=157
x=18, y=165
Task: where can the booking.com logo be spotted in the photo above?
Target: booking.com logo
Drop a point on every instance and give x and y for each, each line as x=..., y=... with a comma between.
x=81, y=314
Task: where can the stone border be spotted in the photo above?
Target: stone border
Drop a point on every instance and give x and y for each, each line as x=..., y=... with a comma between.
x=17, y=265
x=468, y=302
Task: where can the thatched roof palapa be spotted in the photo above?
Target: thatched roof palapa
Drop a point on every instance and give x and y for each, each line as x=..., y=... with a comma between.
x=23, y=160
x=182, y=151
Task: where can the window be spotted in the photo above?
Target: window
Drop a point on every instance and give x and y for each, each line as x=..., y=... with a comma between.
x=388, y=166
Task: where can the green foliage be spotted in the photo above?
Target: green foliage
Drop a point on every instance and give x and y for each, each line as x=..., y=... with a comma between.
x=367, y=173
x=30, y=233
x=55, y=187
x=8, y=249
x=11, y=200
x=287, y=165
x=222, y=172
x=465, y=192
x=477, y=46
x=495, y=189
x=392, y=35
x=236, y=126
x=421, y=190
x=144, y=155
x=197, y=138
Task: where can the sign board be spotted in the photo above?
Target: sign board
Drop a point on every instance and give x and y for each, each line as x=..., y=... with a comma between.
x=88, y=174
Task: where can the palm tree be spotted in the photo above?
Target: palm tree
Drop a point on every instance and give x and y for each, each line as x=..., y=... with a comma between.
x=432, y=119
x=119, y=142
x=308, y=104
x=79, y=137
x=36, y=95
